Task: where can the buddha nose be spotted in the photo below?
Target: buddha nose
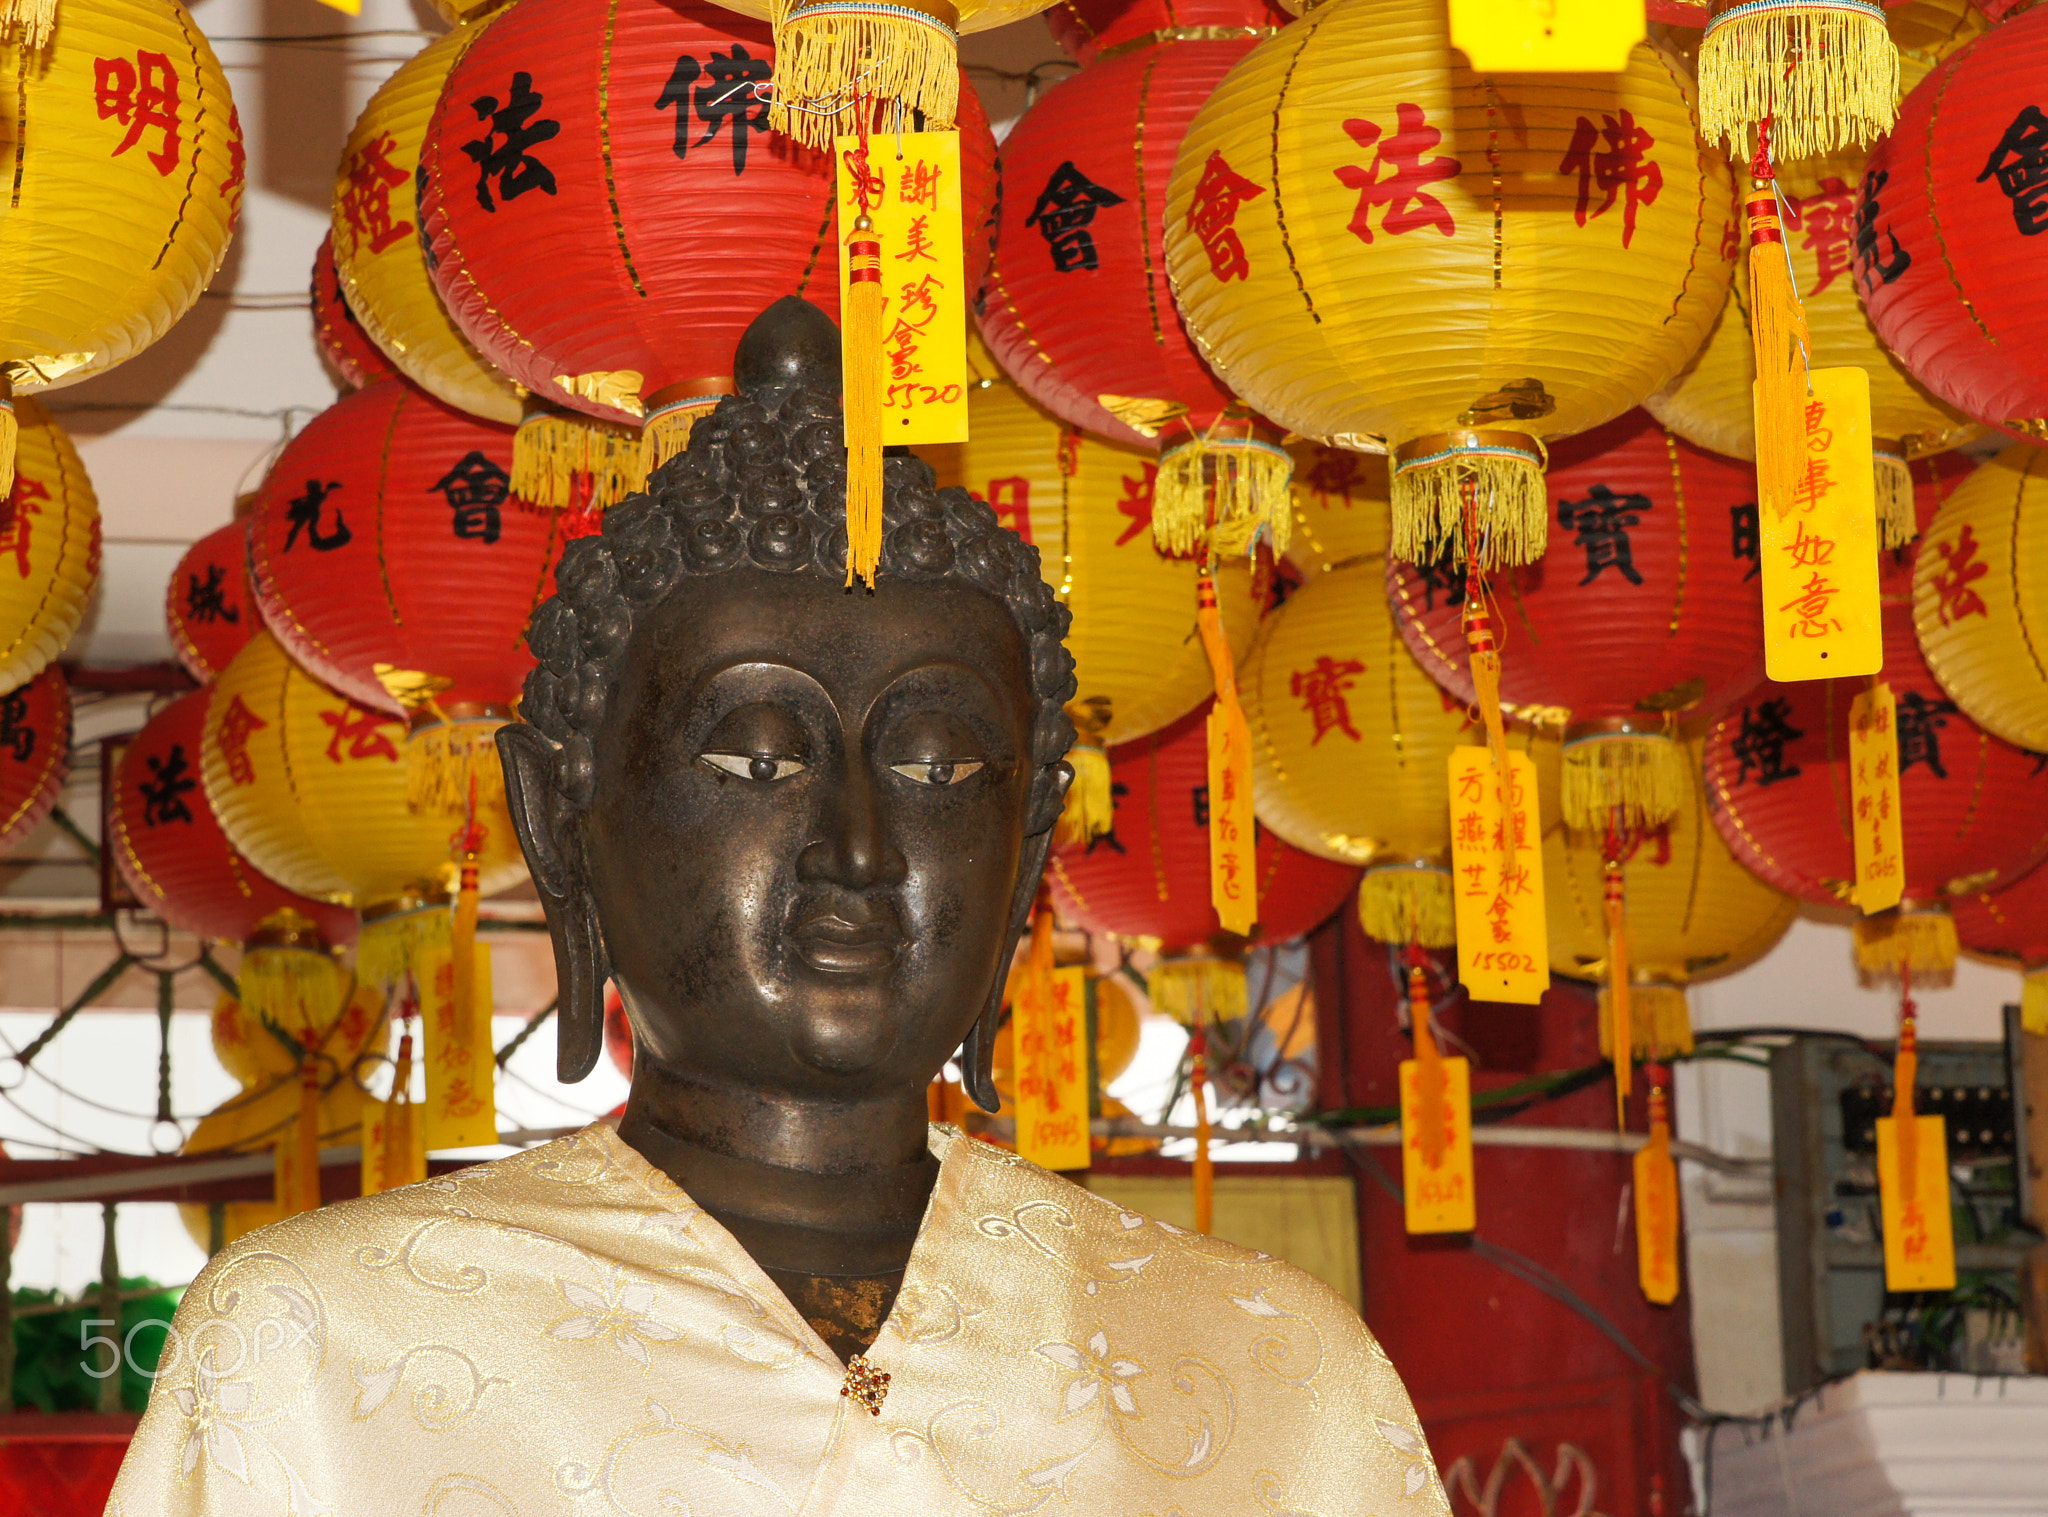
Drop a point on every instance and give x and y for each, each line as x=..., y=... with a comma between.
x=854, y=847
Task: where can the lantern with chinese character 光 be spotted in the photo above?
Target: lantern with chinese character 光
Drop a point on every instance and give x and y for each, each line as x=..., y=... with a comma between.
x=1692, y=913
x=124, y=192
x=638, y=119
x=1973, y=809
x=2011, y=925
x=355, y=359
x=1948, y=233
x=35, y=746
x=1078, y=308
x=209, y=608
x=1643, y=612
x=1450, y=268
x=49, y=546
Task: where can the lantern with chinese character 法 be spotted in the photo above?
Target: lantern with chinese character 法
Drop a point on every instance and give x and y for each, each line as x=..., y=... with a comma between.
x=355, y=359
x=637, y=119
x=1078, y=308
x=1447, y=267
x=208, y=608
x=124, y=191
x=1950, y=224
x=1643, y=612
x=2011, y=925
x=49, y=546
x=35, y=746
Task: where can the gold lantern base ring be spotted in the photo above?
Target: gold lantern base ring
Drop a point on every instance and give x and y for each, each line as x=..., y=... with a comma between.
x=1823, y=73
x=1913, y=940
x=1502, y=474
x=833, y=56
x=1627, y=769
x=1408, y=902
x=554, y=446
x=673, y=412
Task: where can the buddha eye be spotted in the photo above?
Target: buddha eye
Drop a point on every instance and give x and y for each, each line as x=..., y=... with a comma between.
x=928, y=772
x=753, y=766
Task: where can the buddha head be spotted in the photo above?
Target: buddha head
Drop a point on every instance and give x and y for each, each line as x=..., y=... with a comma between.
x=801, y=825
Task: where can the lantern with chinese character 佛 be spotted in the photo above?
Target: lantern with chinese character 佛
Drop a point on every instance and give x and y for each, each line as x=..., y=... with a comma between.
x=1078, y=307
x=124, y=192
x=209, y=608
x=355, y=359
x=1447, y=267
x=2011, y=926
x=637, y=119
x=1950, y=225
x=1973, y=810
x=1643, y=612
x=1693, y=913
x=49, y=547
x=35, y=746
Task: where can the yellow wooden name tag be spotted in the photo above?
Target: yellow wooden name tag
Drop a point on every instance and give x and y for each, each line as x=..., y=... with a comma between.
x=1547, y=36
x=1438, y=1197
x=913, y=198
x=462, y=1095
x=1919, y=1240
x=1049, y=1039
x=1819, y=548
x=1233, y=855
x=1503, y=943
x=1874, y=796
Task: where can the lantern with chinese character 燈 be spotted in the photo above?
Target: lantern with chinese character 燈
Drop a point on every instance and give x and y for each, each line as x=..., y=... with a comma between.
x=2011, y=925
x=208, y=608
x=35, y=745
x=355, y=359
x=49, y=546
x=124, y=192
x=1973, y=809
x=1078, y=307
x=637, y=119
x=1693, y=913
x=1644, y=611
x=1448, y=267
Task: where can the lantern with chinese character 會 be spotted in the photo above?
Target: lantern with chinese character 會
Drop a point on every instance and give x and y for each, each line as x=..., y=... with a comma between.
x=209, y=608
x=355, y=359
x=1450, y=268
x=49, y=546
x=35, y=746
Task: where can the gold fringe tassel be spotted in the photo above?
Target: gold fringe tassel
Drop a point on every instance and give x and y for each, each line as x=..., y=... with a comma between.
x=1659, y=1022
x=1777, y=325
x=443, y=760
x=2034, y=1002
x=1428, y=502
x=299, y=989
x=1824, y=77
x=1910, y=942
x=1090, y=811
x=31, y=23
x=1641, y=774
x=10, y=432
x=1617, y=1011
x=389, y=946
x=1222, y=488
x=553, y=446
x=666, y=433
x=1408, y=903
x=861, y=365
x=1201, y=989
x=834, y=57
x=1894, y=482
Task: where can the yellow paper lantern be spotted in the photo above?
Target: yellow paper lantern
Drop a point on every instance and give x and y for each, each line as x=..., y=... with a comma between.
x=1351, y=744
x=311, y=787
x=127, y=176
x=1377, y=247
x=1340, y=509
x=49, y=547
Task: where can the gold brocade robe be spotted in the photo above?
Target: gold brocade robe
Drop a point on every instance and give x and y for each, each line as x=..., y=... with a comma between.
x=566, y=1332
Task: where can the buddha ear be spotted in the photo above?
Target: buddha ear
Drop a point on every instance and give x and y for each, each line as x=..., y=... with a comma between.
x=977, y=1053
x=548, y=835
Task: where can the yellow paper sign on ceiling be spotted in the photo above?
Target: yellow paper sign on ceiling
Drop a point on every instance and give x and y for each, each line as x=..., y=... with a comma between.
x=1874, y=796
x=1438, y=1197
x=1503, y=945
x=912, y=187
x=1820, y=546
x=1548, y=36
x=1919, y=1236
x=1052, y=1071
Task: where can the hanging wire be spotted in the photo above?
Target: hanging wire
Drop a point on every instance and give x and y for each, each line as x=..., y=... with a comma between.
x=533, y=1024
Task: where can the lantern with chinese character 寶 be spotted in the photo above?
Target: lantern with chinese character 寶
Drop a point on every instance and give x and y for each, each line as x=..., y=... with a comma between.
x=1078, y=308
x=1693, y=913
x=49, y=546
x=208, y=608
x=1973, y=810
x=1954, y=207
x=124, y=193
x=1447, y=267
x=355, y=359
x=636, y=118
x=1643, y=611
x=35, y=745
x=2011, y=924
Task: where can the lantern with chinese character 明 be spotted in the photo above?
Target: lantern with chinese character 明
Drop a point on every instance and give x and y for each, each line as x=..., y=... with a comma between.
x=1078, y=307
x=355, y=359
x=637, y=119
x=2011, y=925
x=1644, y=611
x=35, y=745
x=124, y=192
x=1450, y=268
x=209, y=609
x=49, y=545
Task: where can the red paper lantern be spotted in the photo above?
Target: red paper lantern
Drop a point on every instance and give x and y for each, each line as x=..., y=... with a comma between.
x=35, y=746
x=2011, y=923
x=1149, y=875
x=608, y=211
x=1088, y=29
x=343, y=342
x=209, y=608
x=1949, y=253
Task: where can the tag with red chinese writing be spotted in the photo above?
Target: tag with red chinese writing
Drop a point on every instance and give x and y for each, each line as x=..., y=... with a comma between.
x=1048, y=1036
x=913, y=184
x=1820, y=547
x=462, y=1105
x=1919, y=1239
x=1438, y=1197
x=1233, y=856
x=1547, y=36
x=1503, y=943
x=1874, y=797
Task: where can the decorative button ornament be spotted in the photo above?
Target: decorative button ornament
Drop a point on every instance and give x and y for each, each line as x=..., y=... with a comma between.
x=865, y=1385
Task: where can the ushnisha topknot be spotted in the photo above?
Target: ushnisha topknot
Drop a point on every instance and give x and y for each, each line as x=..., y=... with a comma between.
x=763, y=485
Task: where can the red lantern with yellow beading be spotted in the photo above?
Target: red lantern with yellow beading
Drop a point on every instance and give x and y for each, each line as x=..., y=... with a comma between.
x=209, y=607
x=35, y=747
x=49, y=546
x=343, y=342
x=2011, y=925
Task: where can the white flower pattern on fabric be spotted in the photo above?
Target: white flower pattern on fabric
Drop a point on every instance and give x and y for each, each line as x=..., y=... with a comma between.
x=1094, y=1372
x=621, y=1316
x=216, y=1407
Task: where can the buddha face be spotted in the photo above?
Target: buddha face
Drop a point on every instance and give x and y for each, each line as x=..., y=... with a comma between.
x=805, y=837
